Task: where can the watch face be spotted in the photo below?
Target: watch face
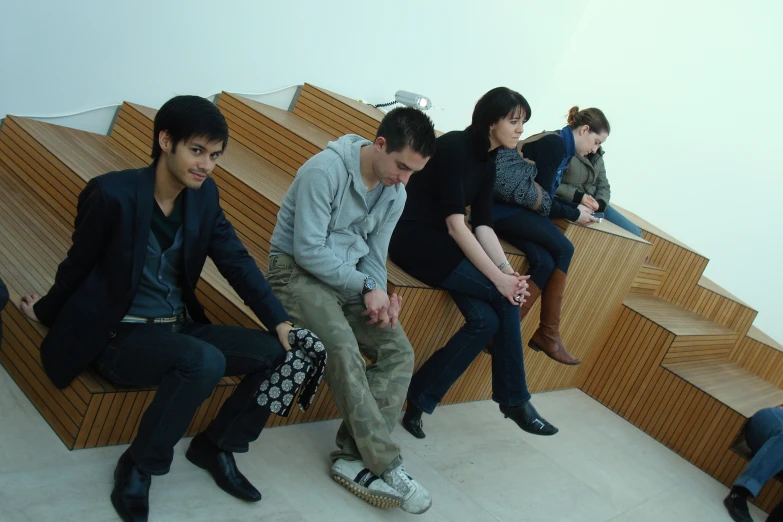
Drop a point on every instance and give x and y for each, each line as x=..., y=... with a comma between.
x=370, y=284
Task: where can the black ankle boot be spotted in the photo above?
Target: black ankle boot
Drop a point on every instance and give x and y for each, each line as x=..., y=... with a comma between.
x=412, y=422
x=130, y=496
x=528, y=419
x=737, y=504
x=221, y=465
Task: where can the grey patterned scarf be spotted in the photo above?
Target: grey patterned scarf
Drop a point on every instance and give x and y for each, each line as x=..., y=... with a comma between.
x=303, y=368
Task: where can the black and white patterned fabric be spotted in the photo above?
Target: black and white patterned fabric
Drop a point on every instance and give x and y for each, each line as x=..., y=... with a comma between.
x=515, y=183
x=303, y=368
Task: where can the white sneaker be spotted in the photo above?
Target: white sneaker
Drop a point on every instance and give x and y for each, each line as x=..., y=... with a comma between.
x=364, y=484
x=415, y=499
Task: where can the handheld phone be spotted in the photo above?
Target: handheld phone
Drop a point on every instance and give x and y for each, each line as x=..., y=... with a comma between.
x=598, y=215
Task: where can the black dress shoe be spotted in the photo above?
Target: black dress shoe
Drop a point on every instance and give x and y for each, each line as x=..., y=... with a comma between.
x=412, y=422
x=130, y=496
x=737, y=505
x=223, y=468
x=528, y=419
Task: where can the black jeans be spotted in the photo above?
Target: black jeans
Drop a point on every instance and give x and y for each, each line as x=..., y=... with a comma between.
x=544, y=245
x=186, y=360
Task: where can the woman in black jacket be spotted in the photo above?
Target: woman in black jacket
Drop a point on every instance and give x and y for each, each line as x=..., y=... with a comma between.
x=433, y=243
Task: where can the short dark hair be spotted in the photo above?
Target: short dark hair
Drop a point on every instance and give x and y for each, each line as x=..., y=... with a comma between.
x=494, y=106
x=406, y=126
x=185, y=117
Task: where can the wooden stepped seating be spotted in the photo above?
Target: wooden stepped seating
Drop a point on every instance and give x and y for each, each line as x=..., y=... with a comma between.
x=336, y=114
x=677, y=276
x=682, y=265
x=267, y=184
x=69, y=158
x=631, y=359
x=254, y=124
x=761, y=355
x=736, y=387
x=695, y=338
x=283, y=138
x=712, y=301
x=648, y=280
x=91, y=411
x=669, y=372
x=430, y=317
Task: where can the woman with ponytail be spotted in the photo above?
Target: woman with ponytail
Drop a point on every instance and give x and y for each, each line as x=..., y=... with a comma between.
x=527, y=179
x=584, y=182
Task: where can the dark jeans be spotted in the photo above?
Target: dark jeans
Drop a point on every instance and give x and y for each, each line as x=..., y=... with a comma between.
x=764, y=435
x=186, y=360
x=544, y=245
x=3, y=301
x=614, y=216
x=487, y=314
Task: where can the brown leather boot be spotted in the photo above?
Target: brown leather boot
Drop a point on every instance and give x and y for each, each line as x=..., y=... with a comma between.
x=524, y=308
x=547, y=337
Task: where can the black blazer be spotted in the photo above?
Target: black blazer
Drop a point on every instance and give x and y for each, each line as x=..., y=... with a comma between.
x=96, y=283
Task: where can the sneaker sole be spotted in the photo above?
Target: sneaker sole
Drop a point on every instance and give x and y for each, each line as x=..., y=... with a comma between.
x=377, y=499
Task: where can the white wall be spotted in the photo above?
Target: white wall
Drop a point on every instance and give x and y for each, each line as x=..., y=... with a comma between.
x=687, y=86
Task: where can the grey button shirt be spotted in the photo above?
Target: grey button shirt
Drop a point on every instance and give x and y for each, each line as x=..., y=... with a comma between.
x=160, y=293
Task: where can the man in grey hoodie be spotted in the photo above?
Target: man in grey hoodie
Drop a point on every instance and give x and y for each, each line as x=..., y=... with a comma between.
x=328, y=267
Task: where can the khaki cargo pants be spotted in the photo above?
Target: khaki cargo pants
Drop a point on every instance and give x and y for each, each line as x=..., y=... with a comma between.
x=369, y=398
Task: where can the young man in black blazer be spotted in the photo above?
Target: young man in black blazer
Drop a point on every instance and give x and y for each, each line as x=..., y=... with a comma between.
x=124, y=301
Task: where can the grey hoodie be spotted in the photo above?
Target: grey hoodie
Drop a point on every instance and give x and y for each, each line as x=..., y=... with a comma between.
x=324, y=223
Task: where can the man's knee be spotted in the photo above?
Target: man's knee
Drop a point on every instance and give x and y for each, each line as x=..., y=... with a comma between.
x=204, y=362
x=402, y=354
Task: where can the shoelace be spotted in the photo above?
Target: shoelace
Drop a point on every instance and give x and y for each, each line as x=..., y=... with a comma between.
x=403, y=477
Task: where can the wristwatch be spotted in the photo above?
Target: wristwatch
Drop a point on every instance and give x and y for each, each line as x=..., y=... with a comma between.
x=369, y=285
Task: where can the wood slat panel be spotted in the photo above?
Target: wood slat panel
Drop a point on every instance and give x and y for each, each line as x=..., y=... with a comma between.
x=336, y=114
x=655, y=363
x=694, y=408
x=648, y=280
x=39, y=249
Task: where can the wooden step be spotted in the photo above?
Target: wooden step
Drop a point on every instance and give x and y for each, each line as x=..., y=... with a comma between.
x=675, y=319
x=696, y=338
x=282, y=138
x=759, y=336
x=761, y=355
x=648, y=280
x=91, y=411
x=715, y=303
x=651, y=372
x=683, y=266
x=336, y=114
x=736, y=387
x=684, y=284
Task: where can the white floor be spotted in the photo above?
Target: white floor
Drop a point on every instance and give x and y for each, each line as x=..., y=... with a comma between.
x=477, y=465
